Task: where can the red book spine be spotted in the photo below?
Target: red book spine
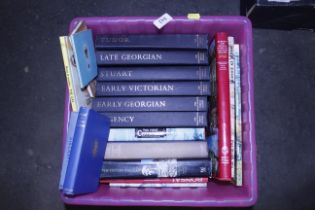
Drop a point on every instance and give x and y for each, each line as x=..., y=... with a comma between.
x=157, y=180
x=223, y=95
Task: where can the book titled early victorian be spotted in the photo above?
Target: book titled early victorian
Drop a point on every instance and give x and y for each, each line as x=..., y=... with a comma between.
x=153, y=73
x=170, y=88
x=152, y=57
x=150, y=41
x=157, y=119
x=150, y=104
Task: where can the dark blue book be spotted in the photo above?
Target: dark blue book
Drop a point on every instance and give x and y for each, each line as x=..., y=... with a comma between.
x=151, y=57
x=178, y=88
x=154, y=73
x=160, y=41
x=87, y=153
x=149, y=104
x=161, y=168
x=157, y=119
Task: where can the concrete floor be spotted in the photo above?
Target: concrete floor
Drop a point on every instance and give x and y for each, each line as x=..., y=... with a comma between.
x=32, y=82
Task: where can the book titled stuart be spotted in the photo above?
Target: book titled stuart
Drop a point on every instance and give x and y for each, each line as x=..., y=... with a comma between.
x=178, y=88
x=219, y=50
x=154, y=73
x=157, y=119
x=156, y=168
x=151, y=57
x=149, y=104
x=150, y=41
x=86, y=153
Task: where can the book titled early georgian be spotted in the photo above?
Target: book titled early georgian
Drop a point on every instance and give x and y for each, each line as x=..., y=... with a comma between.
x=178, y=88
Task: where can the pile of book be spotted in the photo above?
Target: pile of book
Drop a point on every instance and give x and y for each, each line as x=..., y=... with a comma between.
x=169, y=106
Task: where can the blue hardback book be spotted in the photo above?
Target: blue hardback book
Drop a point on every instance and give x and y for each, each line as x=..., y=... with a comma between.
x=151, y=41
x=161, y=168
x=152, y=57
x=157, y=119
x=150, y=104
x=84, y=53
x=178, y=88
x=87, y=153
x=67, y=147
x=154, y=73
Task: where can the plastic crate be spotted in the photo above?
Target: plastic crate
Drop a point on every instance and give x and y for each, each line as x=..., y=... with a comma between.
x=216, y=194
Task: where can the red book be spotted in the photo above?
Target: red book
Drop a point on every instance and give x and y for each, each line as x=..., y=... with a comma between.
x=223, y=97
x=157, y=180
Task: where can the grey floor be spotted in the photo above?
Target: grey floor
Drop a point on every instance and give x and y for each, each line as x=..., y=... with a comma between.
x=32, y=85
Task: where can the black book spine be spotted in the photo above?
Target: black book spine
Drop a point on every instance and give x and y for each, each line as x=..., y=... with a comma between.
x=156, y=168
x=152, y=57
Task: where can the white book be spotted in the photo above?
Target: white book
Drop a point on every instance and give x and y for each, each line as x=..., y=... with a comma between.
x=232, y=102
x=238, y=117
x=156, y=150
x=158, y=184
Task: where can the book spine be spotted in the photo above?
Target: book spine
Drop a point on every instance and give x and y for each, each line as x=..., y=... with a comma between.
x=232, y=102
x=238, y=117
x=154, y=73
x=76, y=147
x=157, y=180
x=63, y=43
x=149, y=104
x=152, y=57
x=156, y=168
x=223, y=95
x=178, y=41
x=67, y=147
x=153, y=134
x=157, y=119
x=156, y=150
x=199, y=88
x=158, y=185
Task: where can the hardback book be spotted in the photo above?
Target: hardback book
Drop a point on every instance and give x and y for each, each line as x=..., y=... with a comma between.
x=232, y=102
x=191, y=185
x=156, y=150
x=238, y=118
x=154, y=134
x=169, y=88
x=87, y=153
x=150, y=104
x=151, y=168
x=160, y=41
x=157, y=180
x=67, y=146
x=219, y=50
x=151, y=57
x=84, y=53
x=153, y=73
x=157, y=119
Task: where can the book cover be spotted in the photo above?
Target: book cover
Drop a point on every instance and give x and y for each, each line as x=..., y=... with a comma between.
x=220, y=48
x=153, y=134
x=157, y=119
x=151, y=168
x=156, y=150
x=160, y=41
x=87, y=153
x=232, y=102
x=67, y=147
x=238, y=117
x=153, y=73
x=159, y=185
x=151, y=57
x=178, y=88
x=84, y=53
x=149, y=104
x=157, y=180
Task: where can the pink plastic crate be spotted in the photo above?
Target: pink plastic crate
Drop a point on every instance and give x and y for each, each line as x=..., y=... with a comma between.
x=216, y=194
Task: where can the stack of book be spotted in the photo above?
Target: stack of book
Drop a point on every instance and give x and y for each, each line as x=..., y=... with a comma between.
x=154, y=89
